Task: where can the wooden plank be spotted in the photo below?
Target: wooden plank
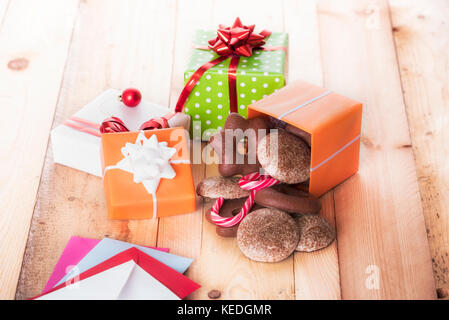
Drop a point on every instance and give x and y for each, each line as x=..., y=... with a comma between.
x=304, y=54
x=421, y=31
x=34, y=49
x=130, y=46
x=316, y=274
x=182, y=234
x=382, y=243
x=221, y=264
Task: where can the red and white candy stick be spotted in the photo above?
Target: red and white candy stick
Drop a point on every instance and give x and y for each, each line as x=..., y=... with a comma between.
x=253, y=182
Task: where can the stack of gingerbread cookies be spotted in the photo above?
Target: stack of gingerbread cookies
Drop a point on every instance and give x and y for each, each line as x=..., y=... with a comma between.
x=284, y=217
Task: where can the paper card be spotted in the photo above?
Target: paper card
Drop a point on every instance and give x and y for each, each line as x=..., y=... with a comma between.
x=108, y=248
x=75, y=250
x=80, y=150
x=130, y=274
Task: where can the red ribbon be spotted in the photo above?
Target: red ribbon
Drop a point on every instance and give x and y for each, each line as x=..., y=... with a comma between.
x=235, y=41
x=253, y=182
x=193, y=81
x=156, y=123
x=114, y=124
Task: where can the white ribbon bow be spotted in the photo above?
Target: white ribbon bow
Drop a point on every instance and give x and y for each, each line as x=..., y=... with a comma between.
x=148, y=160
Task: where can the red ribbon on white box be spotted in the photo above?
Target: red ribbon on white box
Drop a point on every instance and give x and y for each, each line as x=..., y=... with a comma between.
x=83, y=126
x=114, y=124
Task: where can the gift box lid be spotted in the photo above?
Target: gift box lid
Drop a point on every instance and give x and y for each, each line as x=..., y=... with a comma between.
x=127, y=199
x=332, y=120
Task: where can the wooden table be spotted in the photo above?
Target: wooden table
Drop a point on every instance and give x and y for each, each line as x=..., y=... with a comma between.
x=392, y=218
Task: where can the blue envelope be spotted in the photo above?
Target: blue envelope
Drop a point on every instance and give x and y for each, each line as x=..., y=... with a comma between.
x=108, y=248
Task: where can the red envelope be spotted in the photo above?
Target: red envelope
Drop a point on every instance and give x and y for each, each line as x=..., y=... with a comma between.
x=177, y=283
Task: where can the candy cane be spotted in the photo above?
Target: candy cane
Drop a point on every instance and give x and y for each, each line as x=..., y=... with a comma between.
x=253, y=182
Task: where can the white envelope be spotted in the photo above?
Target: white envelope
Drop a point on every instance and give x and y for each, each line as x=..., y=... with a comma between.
x=81, y=150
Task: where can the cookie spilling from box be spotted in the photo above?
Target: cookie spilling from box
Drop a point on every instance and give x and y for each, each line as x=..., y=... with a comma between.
x=268, y=235
x=289, y=199
x=272, y=189
x=310, y=143
x=236, y=144
x=315, y=232
x=218, y=186
x=284, y=156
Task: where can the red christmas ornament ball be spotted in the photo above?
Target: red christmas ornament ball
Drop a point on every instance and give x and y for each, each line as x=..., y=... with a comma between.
x=131, y=97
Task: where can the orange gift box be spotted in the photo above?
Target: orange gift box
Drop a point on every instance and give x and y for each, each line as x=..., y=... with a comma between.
x=126, y=199
x=333, y=122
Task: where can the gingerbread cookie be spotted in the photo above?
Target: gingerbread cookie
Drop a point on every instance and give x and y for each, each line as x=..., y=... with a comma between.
x=268, y=235
x=315, y=232
x=288, y=160
x=215, y=187
x=283, y=197
x=288, y=199
x=230, y=208
x=243, y=158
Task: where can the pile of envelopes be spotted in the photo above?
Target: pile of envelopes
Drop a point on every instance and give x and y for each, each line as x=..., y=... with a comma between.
x=115, y=270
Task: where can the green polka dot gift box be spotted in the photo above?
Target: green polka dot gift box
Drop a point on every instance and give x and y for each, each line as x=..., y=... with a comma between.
x=257, y=76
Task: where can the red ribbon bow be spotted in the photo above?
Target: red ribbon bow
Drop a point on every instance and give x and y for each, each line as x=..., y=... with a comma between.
x=114, y=124
x=231, y=42
x=238, y=39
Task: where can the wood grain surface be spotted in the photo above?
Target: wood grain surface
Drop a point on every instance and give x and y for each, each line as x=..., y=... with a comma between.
x=317, y=273
x=380, y=222
x=392, y=56
x=421, y=32
x=35, y=42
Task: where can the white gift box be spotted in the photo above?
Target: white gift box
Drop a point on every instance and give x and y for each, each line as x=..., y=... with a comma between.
x=81, y=150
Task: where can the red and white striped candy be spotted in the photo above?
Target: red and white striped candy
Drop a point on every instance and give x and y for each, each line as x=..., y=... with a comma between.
x=253, y=182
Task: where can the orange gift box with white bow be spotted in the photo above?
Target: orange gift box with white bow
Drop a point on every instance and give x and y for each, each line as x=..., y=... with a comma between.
x=147, y=174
